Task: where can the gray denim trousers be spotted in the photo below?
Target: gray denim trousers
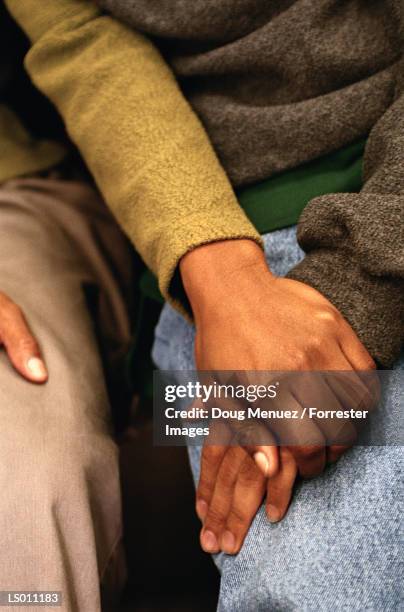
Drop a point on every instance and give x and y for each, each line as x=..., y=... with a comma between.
x=340, y=546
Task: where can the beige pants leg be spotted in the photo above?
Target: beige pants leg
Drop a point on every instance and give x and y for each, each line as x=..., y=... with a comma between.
x=60, y=515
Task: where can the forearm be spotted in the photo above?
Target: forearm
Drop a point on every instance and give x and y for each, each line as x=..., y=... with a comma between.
x=142, y=142
x=218, y=275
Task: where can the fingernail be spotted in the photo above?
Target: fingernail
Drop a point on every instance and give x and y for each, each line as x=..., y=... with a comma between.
x=228, y=543
x=201, y=509
x=273, y=514
x=209, y=542
x=37, y=368
x=262, y=462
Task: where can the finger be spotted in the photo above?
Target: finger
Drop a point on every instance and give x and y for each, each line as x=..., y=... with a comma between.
x=254, y=436
x=211, y=460
x=258, y=442
x=310, y=459
x=222, y=497
x=354, y=356
x=298, y=432
x=335, y=452
x=311, y=390
x=342, y=439
x=340, y=373
x=280, y=487
x=354, y=350
x=364, y=366
x=350, y=389
x=21, y=346
x=247, y=498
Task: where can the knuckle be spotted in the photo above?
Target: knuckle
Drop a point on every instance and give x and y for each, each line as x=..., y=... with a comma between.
x=328, y=316
x=238, y=517
x=316, y=342
x=211, y=456
x=225, y=481
x=369, y=363
x=309, y=452
x=235, y=454
x=287, y=459
x=27, y=344
x=249, y=472
x=252, y=477
x=204, y=489
x=362, y=397
x=11, y=311
x=246, y=435
x=301, y=359
x=215, y=517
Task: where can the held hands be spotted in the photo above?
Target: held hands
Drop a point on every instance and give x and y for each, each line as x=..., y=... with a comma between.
x=248, y=319
x=231, y=489
x=19, y=343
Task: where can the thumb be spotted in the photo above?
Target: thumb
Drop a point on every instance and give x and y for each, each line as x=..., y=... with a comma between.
x=280, y=487
x=259, y=443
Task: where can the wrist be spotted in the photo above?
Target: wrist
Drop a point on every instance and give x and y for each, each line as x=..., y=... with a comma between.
x=213, y=273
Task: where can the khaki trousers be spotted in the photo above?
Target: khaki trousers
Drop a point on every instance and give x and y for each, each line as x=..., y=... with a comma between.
x=65, y=262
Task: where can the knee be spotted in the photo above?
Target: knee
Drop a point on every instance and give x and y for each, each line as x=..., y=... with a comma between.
x=71, y=466
x=51, y=460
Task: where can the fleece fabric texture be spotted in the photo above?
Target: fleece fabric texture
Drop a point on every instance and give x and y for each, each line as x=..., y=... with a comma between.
x=145, y=147
x=20, y=153
x=355, y=242
x=275, y=85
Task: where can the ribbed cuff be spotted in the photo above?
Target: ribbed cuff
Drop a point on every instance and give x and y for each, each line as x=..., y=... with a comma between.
x=190, y=233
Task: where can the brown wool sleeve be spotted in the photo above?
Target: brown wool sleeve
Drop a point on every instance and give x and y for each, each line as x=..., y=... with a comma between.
x=354, y=243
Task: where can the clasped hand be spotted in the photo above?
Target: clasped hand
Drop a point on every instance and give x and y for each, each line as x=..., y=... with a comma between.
x=249, y=320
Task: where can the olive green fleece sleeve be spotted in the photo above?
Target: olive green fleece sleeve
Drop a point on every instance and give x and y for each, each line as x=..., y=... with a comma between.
x=145, y=147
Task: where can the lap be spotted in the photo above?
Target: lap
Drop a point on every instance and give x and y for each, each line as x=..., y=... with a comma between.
x=66, y=264
x=59, y=249
x=337, y=549
x=339, y=546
